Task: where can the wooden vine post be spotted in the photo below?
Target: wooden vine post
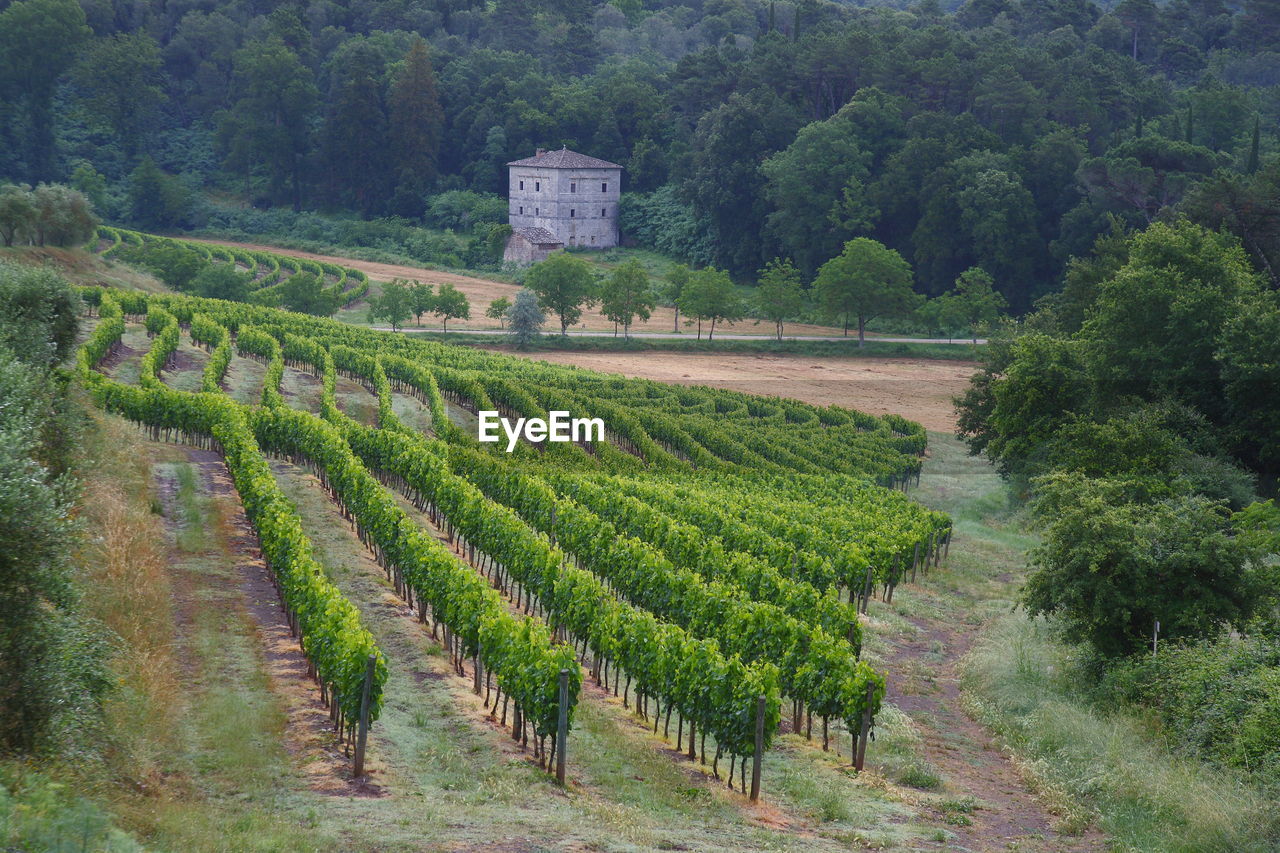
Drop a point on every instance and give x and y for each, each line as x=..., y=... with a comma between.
x=562, y=726
x=362, y=732
x=864, y=730
x=759, y=756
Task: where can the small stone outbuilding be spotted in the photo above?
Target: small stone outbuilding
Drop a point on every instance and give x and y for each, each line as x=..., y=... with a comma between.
x=528, y=245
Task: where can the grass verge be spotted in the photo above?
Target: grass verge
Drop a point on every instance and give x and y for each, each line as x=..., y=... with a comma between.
x=1094, y=765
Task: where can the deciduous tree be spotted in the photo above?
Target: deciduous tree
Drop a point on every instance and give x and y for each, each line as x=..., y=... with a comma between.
x=270, y=124
x=564, y=285
x=627, y=295
x=1110, y=570
x=422, y=299
x=865, y=281
x=393, y=304
x=222, y=281
x=778, y=296
x=711, y=295
x=498, y=309
x=973, y=303
x=39, y=40
x=676, y=279
x=450, y=304
x=120, y=83
x=305, y=293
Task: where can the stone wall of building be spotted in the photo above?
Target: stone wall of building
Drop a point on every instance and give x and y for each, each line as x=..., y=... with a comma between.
x=521, y=251
x=579, y=206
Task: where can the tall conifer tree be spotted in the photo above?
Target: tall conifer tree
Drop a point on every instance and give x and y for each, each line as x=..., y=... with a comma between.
x=415, y=119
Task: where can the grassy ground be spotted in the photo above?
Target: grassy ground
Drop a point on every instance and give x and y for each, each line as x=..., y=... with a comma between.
x=85, y=268
x=191, y=757
x=244, y=379
x=1107, y=767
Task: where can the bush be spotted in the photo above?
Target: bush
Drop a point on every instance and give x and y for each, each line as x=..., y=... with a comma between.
x=52, y=671
x=49, y=215
x=39, y=314
x=1110, y=568
x=158, y=200
x=174, y=264
x=661, y=220
x=306, y=294
x=462, y=210
x=222, y=281
x=1219, y=697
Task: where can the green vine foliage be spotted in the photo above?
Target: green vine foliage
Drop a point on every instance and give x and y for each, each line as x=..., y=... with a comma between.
x=702, y=550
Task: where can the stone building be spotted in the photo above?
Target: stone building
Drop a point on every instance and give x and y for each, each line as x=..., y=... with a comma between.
x=528, y=245
x=568, y=195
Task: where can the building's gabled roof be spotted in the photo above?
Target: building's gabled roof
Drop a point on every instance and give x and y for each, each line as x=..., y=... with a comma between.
x=564, y=159
x=538, y=236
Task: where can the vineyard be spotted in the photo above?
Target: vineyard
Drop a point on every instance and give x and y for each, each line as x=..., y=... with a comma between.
x=711, y=559
x=267, y=271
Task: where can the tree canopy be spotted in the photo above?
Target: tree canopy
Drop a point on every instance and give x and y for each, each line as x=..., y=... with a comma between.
x=1006, y=136
x=524, y=318
x=779, y=296
x=710, y=295
x=865, y=281
x=450, y=304
x=393, y=305
x=565, y=285
x=626, y=295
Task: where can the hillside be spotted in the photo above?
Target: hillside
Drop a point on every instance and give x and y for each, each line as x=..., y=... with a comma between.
x=285, y=461
x=1005, y=136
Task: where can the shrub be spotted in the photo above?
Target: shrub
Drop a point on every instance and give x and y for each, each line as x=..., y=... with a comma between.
x=222, y=281
x=1110, y=568
x=1218, y=697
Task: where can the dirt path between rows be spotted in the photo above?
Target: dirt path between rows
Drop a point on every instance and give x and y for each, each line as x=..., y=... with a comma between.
x=308, y=737
x=1008, y=816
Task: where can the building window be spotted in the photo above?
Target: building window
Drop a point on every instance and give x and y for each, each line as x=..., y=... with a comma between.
x=602, y=213
x=604, y=186
x=537, y=186
x=573, y=186
x=593, y=238
x=522, y=185
x=522, y=210
x=572, y=213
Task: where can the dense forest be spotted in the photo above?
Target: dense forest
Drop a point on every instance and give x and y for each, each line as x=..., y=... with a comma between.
x=1005, y=134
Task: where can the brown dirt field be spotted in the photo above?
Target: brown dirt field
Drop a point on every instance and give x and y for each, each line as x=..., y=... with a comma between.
x=917, y=389
x=482, y=291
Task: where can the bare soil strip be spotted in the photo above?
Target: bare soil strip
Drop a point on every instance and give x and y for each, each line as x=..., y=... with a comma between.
x=1007, y=815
